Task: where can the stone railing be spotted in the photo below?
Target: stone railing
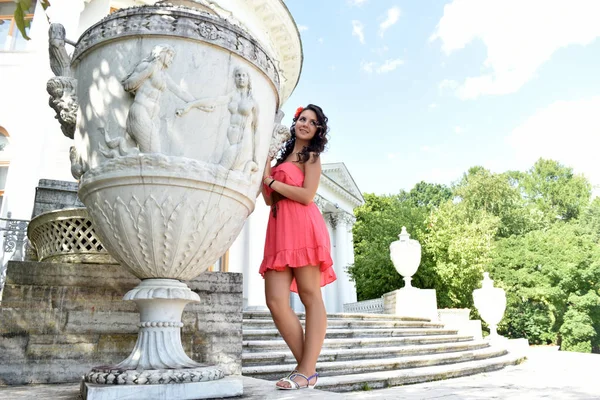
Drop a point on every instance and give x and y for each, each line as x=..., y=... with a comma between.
x=67, y=236
x=374, y=306
x=14, y=234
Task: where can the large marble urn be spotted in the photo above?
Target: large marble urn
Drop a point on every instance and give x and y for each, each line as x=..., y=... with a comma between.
x=175, y=109
x=406, y=256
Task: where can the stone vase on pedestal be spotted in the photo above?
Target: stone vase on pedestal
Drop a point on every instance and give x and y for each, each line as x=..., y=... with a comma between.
x=491, y=304
x=409, y=301
x=175, y=116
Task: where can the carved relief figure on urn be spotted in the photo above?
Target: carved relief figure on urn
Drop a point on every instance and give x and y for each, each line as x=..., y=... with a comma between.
x=147, y=82
x=240, y=147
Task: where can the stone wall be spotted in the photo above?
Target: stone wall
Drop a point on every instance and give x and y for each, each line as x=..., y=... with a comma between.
x=53, y=195
x=59, y=320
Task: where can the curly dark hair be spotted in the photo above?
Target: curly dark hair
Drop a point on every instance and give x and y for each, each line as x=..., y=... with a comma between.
x=317, y=143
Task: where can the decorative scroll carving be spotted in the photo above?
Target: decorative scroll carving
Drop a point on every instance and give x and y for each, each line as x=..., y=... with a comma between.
x=240, y=148
x=63, y=87
x=333, y=219
x=281, y=134
x=336, y=219
x=169, y=20
x=347, y=218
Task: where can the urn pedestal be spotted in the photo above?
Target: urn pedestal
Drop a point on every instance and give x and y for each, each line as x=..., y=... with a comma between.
x=175, y=109
x=409, y=301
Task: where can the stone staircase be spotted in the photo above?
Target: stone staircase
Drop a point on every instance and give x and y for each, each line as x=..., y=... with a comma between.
x=372, y=351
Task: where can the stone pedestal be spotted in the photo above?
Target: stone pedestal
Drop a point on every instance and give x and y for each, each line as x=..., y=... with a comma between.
x=458, y=319
x=60, y=320
x=226, y=387
x=411, y=302
x=51, y=195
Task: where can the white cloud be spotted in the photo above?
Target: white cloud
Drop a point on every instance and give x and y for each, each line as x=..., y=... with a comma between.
x=566, y=131
x=389, y=66
x=332, y=67
x=427, y=149
x=447, y=84
x=367, y=66
x=302, y=28
x=358, y=29
x=320, y=40
x=392, y=16
x=357, y=2
x=386, y=67
x=519, y=37
x=458, y=130
x=432, y=106
x=380, y=50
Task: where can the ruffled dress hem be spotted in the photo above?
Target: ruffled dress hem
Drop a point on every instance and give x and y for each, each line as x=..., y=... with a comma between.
x=297, y=258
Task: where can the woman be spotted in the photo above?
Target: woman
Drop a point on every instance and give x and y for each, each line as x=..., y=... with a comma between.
x=297, y=247
x=240, y=149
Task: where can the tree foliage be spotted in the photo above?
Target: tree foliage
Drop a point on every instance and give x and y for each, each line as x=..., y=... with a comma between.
x=22, y=9
x=536, y=232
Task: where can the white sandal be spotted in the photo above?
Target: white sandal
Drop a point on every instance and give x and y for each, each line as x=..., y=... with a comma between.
x=294, y=385
x=288, y=375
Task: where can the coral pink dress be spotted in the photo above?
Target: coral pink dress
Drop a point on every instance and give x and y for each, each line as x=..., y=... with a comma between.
x=297, y=236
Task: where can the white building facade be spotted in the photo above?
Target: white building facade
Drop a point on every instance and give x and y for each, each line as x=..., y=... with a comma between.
x=32, y=147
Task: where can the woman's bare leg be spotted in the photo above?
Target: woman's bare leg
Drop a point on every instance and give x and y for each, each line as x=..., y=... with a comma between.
x=309, y=288
x=277, y=293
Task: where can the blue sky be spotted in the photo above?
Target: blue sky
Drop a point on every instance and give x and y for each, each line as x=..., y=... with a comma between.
x=423, y=90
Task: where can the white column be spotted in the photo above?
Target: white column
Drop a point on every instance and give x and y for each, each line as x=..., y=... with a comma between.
x=350, y=290
x=253, y=251
x=330, y=292
x=341, y=246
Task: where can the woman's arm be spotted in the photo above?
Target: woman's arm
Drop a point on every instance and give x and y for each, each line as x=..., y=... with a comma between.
x=306, y=193
x=266, y=174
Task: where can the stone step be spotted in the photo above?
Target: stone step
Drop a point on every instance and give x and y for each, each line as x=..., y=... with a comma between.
x=354, y=343
x=348, y=323
x=266, y=334
x=361, y=353
x=274, y=372
x=398, y=377
x=364, y=317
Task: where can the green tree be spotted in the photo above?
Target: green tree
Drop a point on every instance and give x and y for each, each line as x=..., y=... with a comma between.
x=378, y=223
x=497, y=195
x=551, y=278
x=429, y=195
x=459, y=241
x=21, y=9
x=555, y=190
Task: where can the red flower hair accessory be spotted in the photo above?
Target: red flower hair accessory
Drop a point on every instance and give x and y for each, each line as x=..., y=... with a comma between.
x=298, y=112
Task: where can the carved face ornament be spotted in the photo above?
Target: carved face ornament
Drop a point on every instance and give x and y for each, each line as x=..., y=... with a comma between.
x=241, y=79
